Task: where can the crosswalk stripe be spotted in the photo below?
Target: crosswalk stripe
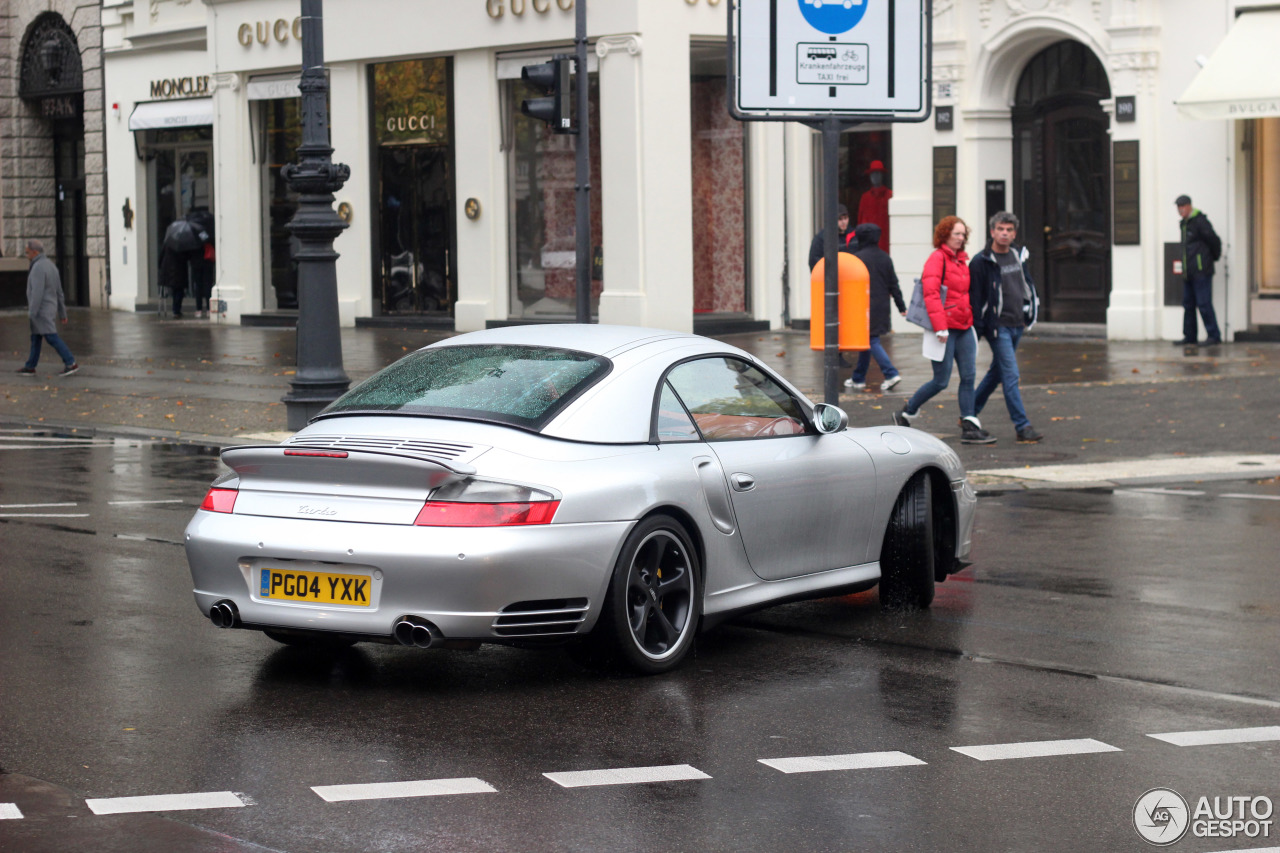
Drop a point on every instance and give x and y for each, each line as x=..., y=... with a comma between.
x=130, y=503
x=1254, y=850
x=1190, y=493
x=165, y=803
x=34, y=506
x=44, y=515
x=1035, y=749
x=1252, y=497
x=1220, y=736
x=626, y=776
x=10, y=811
x=393, y=790
x=853, y=761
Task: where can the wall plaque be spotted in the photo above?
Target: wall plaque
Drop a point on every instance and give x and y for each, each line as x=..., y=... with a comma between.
x=944, y=182
x=1126, y=198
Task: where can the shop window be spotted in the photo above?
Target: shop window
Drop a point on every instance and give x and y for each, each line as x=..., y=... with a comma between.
x=1266, y=205
x=413, y=147
x=719, y=150
x=865, y=178
x=543, y=212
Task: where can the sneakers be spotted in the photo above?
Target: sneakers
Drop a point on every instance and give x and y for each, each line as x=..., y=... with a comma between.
x=855, y=386
x=1184, y=343
x=1212, y=342
x=890, y=383
x=26, y=371
x=1029, y=435
x=902, y=418
x=971, y=432
x=68, y=370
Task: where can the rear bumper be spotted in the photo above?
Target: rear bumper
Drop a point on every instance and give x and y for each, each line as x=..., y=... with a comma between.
x=460, y=579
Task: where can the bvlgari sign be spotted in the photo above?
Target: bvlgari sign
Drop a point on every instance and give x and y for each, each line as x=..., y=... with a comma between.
x=180, y=87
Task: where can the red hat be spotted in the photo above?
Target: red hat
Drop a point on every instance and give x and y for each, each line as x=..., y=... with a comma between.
x=876, y=166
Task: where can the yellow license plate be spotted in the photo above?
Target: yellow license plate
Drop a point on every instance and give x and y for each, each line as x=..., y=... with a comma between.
x=314, y=587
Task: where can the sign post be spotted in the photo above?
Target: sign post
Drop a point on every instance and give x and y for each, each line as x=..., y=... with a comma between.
x=830, y=64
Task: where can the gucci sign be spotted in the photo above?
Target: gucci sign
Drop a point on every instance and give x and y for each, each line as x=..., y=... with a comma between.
x=498, y=8
x=265, y=31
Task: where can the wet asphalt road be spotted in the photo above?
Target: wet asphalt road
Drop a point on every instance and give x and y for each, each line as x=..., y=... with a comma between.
x=1108, y=615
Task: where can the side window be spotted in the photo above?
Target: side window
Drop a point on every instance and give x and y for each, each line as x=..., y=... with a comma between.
x=729, y=399
x=673, y=423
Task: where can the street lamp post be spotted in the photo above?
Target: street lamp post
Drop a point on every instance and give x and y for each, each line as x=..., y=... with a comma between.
x=319, y=379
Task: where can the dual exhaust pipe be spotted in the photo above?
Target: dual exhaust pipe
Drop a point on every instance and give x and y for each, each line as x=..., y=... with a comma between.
x=416, y=631
x=224, y=614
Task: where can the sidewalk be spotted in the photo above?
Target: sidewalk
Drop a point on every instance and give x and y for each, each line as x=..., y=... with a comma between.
x=1095, y=400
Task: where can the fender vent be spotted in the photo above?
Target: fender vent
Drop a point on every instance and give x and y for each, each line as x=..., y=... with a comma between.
x=547, y=618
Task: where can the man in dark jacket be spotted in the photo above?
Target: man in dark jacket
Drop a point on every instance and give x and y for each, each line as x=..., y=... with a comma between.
x=1004, y=302
x=884, y=286
x=818, y=247
x=1200, y=248
x=46, y=307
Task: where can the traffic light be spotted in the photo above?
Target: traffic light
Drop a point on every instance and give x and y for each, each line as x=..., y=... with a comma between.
x=552, y=79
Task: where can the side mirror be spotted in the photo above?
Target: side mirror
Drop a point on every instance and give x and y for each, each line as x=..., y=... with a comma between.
x=828, y=418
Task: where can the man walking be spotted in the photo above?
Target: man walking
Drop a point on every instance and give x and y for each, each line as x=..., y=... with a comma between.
x=1005, y=305
x=45, y=307
x=1200, y=248
x=884, y=286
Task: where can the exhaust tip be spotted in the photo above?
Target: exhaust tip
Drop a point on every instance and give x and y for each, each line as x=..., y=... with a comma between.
x=224, y=614
x=416, y=631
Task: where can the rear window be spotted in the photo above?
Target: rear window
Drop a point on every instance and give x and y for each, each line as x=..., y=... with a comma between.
x=519, y=385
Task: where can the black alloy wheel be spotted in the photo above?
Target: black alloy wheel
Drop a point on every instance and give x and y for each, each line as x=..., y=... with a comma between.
x=653, y=604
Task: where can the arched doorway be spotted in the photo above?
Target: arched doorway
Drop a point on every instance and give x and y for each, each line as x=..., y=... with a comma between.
x=52, y=79
x=1062, y=188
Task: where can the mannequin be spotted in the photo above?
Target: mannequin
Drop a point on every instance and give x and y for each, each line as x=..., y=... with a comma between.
x=874, y=206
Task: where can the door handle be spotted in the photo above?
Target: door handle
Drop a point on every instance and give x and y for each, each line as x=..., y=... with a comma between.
x=743, y=482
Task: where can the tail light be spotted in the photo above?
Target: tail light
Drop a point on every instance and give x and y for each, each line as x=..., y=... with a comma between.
x=220, y=500
x=479, y=503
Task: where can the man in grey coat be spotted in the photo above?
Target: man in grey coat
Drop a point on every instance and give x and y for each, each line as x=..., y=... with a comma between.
x=45, y=307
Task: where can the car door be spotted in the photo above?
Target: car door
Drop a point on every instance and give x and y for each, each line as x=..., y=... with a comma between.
x=802, y=500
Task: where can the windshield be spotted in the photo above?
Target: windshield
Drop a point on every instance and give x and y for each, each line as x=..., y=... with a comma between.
x=520, y=385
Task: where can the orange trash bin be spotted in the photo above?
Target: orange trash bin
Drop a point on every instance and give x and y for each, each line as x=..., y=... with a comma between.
x=855, y=304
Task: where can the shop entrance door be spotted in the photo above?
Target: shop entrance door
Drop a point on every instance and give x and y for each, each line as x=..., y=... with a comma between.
x=1063, y=187
x=70, y=210
x=417, y=240
x=181, y=178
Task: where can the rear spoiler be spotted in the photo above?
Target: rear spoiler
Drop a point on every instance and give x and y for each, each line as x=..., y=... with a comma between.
x=315, y=465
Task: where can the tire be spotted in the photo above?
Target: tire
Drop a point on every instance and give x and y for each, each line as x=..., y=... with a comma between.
x=907, y=556
x=654, y=602
x=308, y=640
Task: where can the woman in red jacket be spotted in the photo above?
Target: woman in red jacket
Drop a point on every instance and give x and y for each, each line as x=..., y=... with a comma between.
x=953, y=324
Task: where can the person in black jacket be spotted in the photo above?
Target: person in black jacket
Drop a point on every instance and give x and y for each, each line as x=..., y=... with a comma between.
x=817, y=248
x=884, y=286
x=1005, y=305
x=1200, y=248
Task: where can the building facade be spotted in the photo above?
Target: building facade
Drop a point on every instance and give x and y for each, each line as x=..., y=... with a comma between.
x=52, y=144
x=461, y=209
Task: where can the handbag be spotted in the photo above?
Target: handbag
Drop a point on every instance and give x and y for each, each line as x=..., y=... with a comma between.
x=916, y=312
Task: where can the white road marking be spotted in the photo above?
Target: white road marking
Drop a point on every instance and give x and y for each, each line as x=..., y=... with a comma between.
x=44, y=515
x=1254, y=850
x=1253, y=497
x=1186, y=467
x=166, y=803
x=130, y=503
x=33, y=506
x=393, y=790
x=1220, y=736
x=626, y=776
x=1035, y=749
x=854, y=761
x=1190, y=493
x=10, y=811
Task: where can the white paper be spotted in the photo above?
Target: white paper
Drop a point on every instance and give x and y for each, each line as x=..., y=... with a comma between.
x=934, y=349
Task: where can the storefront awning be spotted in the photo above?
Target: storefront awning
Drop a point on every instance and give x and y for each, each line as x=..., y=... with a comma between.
x=1242, y=78
x=162, y=115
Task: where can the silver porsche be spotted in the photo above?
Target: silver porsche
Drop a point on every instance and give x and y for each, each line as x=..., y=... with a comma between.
x=616, y=489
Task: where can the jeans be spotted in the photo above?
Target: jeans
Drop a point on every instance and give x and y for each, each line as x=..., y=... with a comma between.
x=962, y=345
x=1004, y=371
x=54, y=341
x=881, y=357
x=1197, y=292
